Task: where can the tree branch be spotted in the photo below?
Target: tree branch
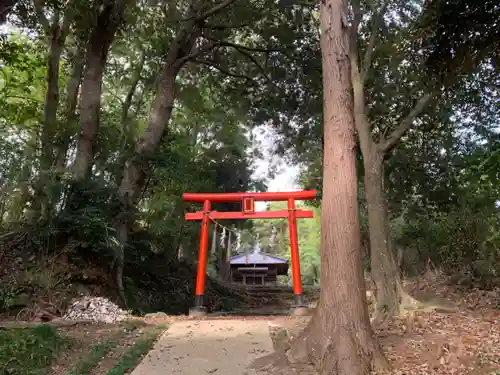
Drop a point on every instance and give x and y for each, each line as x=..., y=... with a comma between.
x=212, y=64
x=357, y=16
x=244, y=51
x=67, y=19
x=367, y=59
x=216, y=9
x=38, y=4
x=224, y=43
x=405, y=124
x=225, y=27
x=194, y=53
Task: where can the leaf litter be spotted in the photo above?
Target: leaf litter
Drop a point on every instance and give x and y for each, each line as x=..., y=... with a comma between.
x=465, y=342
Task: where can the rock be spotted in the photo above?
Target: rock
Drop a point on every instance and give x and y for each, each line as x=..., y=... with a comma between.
x=159, y=314
x=97, y=309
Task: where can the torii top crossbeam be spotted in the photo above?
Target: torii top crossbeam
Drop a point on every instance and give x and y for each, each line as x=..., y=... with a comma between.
x=260, y=196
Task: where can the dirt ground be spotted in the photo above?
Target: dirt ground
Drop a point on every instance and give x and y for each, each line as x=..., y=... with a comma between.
x=464, y=342
x=221, y=347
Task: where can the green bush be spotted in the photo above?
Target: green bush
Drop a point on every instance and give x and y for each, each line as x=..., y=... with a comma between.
x=463, y=240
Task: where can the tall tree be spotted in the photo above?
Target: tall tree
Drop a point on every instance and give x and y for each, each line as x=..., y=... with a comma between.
x=339, y=336
x=56, y=30
x=375, y=147
x=382, y=124
x=108, y=19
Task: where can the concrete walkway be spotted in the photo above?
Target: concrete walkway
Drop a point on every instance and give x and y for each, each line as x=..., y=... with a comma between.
x=219, y=347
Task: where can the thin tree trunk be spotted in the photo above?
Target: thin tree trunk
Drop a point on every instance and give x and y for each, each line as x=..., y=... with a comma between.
x=339, y=337
x=71, y=102
x=122, y=228
x=135, y=170
x=136, y=77
x=384, y=269
x=101, y=38
x=390, y=295
x=125, y=119
x=224, y=258
x=57, y=37
x=227, y=259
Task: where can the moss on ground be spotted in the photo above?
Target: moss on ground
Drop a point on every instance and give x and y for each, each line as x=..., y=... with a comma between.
x=135, y=354
x=30, y=351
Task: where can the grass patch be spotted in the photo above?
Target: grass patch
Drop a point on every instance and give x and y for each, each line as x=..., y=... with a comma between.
x=97, y=352
x=132, y=358
x=29, y=351
x=101, y=350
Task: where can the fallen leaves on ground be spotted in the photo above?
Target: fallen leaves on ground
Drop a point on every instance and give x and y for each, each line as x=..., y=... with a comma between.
x=466, y=342
x=456, y=343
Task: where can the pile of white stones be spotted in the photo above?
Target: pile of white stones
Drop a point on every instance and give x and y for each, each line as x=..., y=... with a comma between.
x=96, y=309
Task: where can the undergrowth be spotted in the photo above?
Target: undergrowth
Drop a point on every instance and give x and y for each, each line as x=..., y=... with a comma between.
x=30, y=351
x=153, y=281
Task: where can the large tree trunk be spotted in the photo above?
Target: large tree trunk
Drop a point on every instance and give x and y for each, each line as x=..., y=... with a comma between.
x=339, y=337
x=101, y=37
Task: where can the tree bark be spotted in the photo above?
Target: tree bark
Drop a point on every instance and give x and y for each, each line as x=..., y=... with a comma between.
x=339, y=337
x=65, y=132
x=56, y=36
x=101, y=37
x=384, y=270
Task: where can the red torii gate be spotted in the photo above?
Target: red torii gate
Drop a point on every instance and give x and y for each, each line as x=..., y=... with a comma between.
x=248, y=212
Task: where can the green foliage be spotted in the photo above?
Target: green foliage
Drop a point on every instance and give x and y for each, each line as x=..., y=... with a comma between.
x=457, y=48
x=7, y=297
x=458, y=241
x=29, y=351
x=247, y=73
x=274, y=239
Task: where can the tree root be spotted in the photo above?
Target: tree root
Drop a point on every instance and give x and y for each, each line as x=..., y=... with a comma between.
x=315, y=351
x=409, y=304
x=277, y=361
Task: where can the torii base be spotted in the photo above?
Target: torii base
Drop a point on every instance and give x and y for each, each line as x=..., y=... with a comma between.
x=299, y=307
x=300, y=311
x=198, y=310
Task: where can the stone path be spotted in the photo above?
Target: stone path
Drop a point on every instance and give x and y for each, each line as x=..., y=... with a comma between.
x=219, y=347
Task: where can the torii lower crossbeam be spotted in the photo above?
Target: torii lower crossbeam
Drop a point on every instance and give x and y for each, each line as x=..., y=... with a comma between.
x=248, y=212
x=283, y=214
